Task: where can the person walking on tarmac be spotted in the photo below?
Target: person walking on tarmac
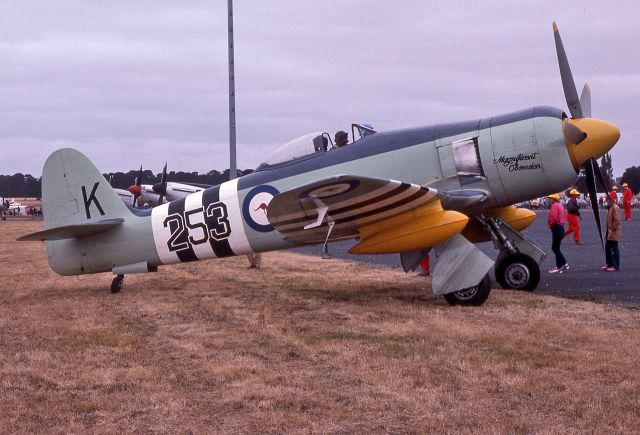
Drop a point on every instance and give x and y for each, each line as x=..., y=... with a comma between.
x=573, y=216
x=613, y=235
x=627, y=195
x=555, y=221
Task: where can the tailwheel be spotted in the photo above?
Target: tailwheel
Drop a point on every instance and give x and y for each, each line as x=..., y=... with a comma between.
x=117, y=283
x=518, y=271
x=472, y=296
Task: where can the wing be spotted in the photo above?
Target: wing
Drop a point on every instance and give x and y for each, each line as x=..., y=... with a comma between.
x=387, y=215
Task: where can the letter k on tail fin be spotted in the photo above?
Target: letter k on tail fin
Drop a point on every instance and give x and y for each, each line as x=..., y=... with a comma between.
x=74, y=192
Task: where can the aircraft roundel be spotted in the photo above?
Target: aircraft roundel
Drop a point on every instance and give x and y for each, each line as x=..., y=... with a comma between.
x=331, y=189
x=256, y=205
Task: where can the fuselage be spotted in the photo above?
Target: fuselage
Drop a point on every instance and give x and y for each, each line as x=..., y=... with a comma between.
x=502, y=159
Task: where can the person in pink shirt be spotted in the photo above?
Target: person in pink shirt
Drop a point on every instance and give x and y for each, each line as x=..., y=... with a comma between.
x=555, y=221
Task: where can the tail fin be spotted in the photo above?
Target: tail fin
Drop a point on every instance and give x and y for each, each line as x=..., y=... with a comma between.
x=74, y=192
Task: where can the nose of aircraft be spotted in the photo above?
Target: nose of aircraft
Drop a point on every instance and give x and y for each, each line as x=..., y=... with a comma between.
x=588, y=138
x=135, y=189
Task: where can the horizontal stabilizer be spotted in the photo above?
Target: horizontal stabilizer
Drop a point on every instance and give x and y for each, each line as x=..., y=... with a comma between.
x=73, y=231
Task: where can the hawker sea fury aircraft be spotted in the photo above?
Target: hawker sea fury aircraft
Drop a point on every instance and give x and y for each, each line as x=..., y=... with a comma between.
x=443, y=186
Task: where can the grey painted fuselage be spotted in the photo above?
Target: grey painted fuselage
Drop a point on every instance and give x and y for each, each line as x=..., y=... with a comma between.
x=513, y=157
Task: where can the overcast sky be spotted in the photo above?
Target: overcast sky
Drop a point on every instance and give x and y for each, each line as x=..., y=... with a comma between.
x=144, y=82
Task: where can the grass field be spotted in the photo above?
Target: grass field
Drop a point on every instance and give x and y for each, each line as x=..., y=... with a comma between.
x=305, y=345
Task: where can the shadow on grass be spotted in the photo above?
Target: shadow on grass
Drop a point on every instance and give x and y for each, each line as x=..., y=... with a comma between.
x=409, y=294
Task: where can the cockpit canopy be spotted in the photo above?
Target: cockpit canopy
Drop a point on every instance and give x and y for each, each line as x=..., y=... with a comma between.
x=309, y=145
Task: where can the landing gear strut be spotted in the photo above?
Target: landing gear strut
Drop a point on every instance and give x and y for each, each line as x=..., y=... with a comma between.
x=325, y=250
x=117, y=283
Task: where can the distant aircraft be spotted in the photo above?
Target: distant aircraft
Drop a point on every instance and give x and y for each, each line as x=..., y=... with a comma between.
x=164, y=191
x=4, y=206
x=126, y=196
x=444, y=186
x=12, y=207
x=152, y=194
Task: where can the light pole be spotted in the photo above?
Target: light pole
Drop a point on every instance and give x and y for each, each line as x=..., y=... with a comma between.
x=233, y=172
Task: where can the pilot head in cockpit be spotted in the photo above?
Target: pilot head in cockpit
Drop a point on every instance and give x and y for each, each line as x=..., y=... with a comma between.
x=341, y=139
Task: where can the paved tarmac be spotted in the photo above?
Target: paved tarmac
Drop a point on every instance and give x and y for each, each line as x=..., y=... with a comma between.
x=584, y=280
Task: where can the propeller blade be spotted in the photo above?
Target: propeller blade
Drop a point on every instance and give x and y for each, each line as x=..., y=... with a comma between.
x=138, y=183
x=585, y=100
x=593, y=196
x=573, y=135
x=163, y=182
x=600, y=177
x=163, y=178
x=568, y=85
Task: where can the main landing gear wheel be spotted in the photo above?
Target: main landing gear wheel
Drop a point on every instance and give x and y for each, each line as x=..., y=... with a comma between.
x=475, y=295
x=117, y=283
x=518, y=271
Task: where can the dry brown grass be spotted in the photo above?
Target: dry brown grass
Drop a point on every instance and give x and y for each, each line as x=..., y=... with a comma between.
x=302, y=345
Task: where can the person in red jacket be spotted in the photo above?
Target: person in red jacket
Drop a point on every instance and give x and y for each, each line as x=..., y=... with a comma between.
x=612, y=193
x=627, y=194
x=573, y=216
x=425, y=265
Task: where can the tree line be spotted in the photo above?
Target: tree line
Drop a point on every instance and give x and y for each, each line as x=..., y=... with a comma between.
x=25, y=185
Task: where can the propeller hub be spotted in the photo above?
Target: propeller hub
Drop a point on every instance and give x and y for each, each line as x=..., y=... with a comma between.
x=159, y=188
x=588, y=138
x=135, y=190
